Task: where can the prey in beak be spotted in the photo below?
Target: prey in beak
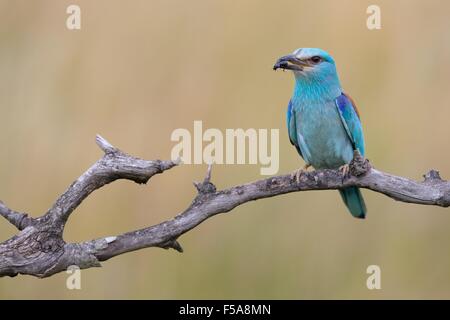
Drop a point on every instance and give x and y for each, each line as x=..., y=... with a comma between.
x=290, y=62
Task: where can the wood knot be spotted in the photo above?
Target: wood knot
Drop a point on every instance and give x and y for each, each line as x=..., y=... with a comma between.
x=239, y=190
x=39, y=242
x=271, y=183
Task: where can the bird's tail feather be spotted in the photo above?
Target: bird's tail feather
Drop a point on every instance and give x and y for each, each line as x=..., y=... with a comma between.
x=354, y=201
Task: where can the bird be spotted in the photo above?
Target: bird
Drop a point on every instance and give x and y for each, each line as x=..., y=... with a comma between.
x=323, y=121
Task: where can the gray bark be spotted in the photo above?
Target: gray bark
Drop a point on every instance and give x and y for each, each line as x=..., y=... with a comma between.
x=39, y=249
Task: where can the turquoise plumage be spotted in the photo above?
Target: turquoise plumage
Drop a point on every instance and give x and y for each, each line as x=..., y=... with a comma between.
x=323, y=122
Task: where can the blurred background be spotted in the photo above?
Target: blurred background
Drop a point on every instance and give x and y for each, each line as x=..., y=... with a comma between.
x=139, y=69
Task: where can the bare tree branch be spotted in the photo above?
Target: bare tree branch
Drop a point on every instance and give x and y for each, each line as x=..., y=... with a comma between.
x=114, y=165
x=40, y=250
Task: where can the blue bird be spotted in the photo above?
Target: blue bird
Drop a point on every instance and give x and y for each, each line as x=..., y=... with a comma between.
x=323, y=121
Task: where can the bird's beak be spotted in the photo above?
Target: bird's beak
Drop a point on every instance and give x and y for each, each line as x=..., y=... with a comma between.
x=290, y=62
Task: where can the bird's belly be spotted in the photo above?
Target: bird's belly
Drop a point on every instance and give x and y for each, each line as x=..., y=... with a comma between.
x=326, y=139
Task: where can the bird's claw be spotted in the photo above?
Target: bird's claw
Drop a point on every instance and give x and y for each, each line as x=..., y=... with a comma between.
x=345, y=169
x=299, y=172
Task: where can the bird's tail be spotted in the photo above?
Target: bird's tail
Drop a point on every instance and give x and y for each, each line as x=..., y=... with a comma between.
x=354, y=201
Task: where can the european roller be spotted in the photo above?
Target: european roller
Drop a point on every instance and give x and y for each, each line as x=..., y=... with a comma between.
x=323, y=121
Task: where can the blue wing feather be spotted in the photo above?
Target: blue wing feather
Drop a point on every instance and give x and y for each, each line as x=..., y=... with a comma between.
x=352, y=124
x=292, y=128
x=350, y=119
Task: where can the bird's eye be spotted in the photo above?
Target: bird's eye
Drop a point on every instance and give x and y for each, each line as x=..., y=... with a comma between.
x=316, y=59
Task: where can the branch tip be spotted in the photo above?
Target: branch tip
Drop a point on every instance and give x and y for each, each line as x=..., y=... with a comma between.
x=18, y=219
x=208, y=174
x=177, y=161
x=105, y=145
x=166, y=165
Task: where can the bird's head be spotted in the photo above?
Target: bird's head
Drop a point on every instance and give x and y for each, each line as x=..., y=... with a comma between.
x=308, y=64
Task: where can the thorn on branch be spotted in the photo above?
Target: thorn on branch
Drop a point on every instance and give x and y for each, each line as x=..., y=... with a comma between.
x=206, y=186
x=359, y=165
x=432, y=176
x=173, y=245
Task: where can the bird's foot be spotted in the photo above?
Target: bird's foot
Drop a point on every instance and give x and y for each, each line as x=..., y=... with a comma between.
x=299, y=172
x=345, y=169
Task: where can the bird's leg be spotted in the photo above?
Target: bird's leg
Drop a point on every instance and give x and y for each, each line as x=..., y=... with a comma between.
x=299, y=172
x=344, y=169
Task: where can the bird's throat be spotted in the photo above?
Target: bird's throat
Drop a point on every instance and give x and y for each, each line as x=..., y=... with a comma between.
x=315, y=90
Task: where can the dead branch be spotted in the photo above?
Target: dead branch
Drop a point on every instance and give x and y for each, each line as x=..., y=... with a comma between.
x=39, y=249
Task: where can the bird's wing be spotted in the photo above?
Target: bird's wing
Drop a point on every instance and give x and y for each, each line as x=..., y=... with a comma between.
x=350, y=119
x=293, y=119
x=292, y=127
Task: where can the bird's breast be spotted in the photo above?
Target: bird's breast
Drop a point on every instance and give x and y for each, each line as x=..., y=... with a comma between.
x=324, y=135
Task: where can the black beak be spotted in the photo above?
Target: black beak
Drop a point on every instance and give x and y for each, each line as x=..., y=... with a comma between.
x=289, y=62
